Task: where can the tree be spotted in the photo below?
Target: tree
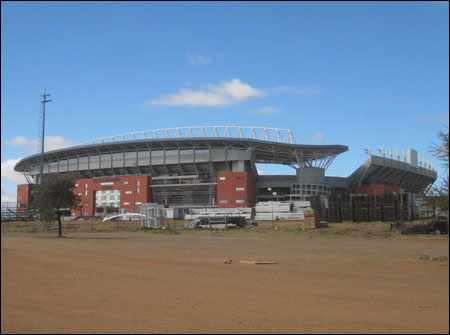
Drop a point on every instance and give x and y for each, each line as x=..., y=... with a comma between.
x=438, y=194
x=54, y=194
x=440, y=151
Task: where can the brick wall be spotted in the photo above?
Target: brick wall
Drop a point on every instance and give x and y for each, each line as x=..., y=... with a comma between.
x=235, y=189
x=24, y=197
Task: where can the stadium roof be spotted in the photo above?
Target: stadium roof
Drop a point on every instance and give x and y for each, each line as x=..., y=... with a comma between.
x=382, y=170
x=269, y=145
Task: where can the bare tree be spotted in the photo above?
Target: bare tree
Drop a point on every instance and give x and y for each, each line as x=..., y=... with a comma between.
x=54, y=194
x=440, y=150
x=438, y=194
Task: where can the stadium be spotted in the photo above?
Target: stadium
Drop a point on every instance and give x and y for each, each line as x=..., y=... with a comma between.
x=215, y=167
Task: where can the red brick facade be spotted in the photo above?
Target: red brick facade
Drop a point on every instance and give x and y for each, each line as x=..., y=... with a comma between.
x=375, y=189
x=86, y=189
x=235, y=189
x=128, y=185
x=24, y=197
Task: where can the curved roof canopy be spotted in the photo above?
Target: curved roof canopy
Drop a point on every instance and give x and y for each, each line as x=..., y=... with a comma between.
x=269, y=145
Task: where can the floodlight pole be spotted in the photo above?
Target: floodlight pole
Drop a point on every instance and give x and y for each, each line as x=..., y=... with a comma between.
x=41, y=166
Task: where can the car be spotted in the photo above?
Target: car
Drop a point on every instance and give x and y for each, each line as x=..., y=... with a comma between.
x=124, y=217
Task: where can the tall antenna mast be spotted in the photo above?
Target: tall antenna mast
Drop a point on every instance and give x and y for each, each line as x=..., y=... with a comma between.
x=41, y=167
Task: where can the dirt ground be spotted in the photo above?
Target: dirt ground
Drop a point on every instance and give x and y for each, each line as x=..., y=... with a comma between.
x=141, y=282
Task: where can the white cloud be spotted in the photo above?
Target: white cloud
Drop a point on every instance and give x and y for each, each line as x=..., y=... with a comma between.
x=296, y=90
x=236, y=90
x=20, y=141
x=441, y=118
x=8, y=172
x=318, y=137
x=31, y=145
x=225, y=94
x=9, y=196
x=192, y=98
x=196, y=58
x=445, y=3
x=268, y=110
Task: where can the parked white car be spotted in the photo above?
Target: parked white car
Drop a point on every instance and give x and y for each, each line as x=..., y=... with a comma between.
x=124, y=217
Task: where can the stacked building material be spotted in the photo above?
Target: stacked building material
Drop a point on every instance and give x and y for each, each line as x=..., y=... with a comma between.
x=320, y=205
x=300, y=206
x=404, y=207
x=389, y=207
x=245, y=212
x=374, y=207
x=334, y=206
x=172, y=213
x=346, y=208
x=278, y=210
x=311, y=219
x=361, y=210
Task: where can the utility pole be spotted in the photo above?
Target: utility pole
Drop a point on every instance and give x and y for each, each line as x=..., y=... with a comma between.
x=41, y=167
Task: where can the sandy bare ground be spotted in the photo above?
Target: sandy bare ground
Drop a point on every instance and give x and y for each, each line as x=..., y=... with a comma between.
x=138, y=282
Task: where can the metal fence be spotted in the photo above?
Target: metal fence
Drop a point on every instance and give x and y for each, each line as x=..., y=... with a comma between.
x=79, y=226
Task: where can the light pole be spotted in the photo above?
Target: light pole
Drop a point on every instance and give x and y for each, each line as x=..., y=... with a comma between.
x=41, y=165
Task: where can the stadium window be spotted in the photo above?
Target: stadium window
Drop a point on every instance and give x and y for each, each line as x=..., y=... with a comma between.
x=222, y=178
x=223, y=201
x=125, y=182
x=240, y=189
x=239, y=201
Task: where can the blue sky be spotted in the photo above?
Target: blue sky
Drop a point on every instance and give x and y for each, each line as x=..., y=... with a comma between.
x=356, y=74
